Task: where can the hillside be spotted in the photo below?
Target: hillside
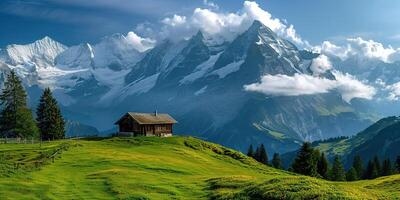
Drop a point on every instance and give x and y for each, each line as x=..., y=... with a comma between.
x=161, y=168
x=381, y=139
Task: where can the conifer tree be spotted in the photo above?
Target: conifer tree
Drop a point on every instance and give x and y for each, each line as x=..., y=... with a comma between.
x=398, y=164
x=250, y=151
x=263, y=155
x=352, y=175
x=337, y=172
x=377, y=164
x=358, y=166
x=276, y=161
x=15, y=117
x=49, y=118
x=387, y=168
x=322, y=166
x=371, y=172
x=257, y=154
x=305, y=162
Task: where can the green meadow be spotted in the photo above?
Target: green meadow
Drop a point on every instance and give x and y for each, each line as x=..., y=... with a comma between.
x=161, y=168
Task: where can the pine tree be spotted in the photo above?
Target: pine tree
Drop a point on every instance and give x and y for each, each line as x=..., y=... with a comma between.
x=263, y=155
x=358, y=166
x=305, y=162
x=276, y=161
x=387, y=168
x=257, y=154
x=337, y=172
x=377, y=164
x=15, y=117
x=322, y=166
x=398, y=164
x=352, y=175
x=250, y=151
x=49, y=118
x=371, y=172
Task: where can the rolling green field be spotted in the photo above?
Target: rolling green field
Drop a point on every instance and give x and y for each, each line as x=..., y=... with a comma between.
x=161, y=168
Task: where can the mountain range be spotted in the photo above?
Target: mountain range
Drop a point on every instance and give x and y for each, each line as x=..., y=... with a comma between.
x=197, y=80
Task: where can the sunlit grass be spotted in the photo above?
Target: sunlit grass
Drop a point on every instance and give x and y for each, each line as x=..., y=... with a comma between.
x=167, y=168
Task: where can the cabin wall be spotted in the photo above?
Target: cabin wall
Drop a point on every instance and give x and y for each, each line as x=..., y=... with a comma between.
x=149, y=130
x=125, y=125
x=157, y=129
x=163, y=128
x=129, y=125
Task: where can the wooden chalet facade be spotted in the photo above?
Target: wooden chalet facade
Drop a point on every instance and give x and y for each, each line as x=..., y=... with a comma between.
x=145, y=124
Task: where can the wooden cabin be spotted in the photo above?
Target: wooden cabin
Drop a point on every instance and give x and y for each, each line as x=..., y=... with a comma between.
x=145, y=124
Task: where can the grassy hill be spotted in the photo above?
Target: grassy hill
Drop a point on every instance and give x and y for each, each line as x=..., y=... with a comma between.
x=381, y=138
x=161, y=168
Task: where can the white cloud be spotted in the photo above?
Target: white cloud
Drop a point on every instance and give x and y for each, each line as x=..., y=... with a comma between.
x=254, y=12
x=380, y=82
x=299, y=84
x=210, y=4
x=331, y=49
x=227, y=25
x=349, y=87
x=176, y=20
x=363, y=49
x=320, y=65
x=302, y=84
x=372, y=49
x=139, y=43
x=394, y=91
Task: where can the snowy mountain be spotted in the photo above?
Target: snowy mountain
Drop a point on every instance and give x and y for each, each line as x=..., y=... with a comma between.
x=40, y=53
x=198, y=81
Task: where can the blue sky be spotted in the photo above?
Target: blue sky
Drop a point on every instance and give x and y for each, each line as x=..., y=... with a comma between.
x=73, y=21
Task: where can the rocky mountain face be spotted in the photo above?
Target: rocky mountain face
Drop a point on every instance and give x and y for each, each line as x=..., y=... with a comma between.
x=200, y=82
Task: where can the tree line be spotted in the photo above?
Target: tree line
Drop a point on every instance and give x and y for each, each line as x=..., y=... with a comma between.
x=16, y=119
x=309, y=161
x=260, y=155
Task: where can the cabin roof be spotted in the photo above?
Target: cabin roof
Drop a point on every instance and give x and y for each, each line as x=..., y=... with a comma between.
x=149, y=118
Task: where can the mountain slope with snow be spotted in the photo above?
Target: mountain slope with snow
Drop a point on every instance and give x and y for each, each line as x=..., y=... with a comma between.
x=199, y=82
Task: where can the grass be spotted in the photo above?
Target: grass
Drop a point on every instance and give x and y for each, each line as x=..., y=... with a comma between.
x=333, y=111
x=341, y=147
x=164, y=168
x=272, y=133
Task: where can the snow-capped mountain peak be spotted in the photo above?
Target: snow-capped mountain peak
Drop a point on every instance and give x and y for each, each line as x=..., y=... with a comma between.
x=80, y=56
x=198, y=75
x=115, y=52
x=41, y=52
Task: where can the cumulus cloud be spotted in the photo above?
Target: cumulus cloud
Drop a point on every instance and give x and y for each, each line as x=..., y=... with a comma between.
x=350, y=88
x=227, y=26
x=320, y=65
x=364, y=49
x=299, y=84
x=254, y=12
x=210, y=4
x=303, y=84
x=374, y=50
x=394, y=91
x=331, y=49
x=174, y=21
x=139, y=43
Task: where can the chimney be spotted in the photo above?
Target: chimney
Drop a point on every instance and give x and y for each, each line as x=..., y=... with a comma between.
x=155, y=112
